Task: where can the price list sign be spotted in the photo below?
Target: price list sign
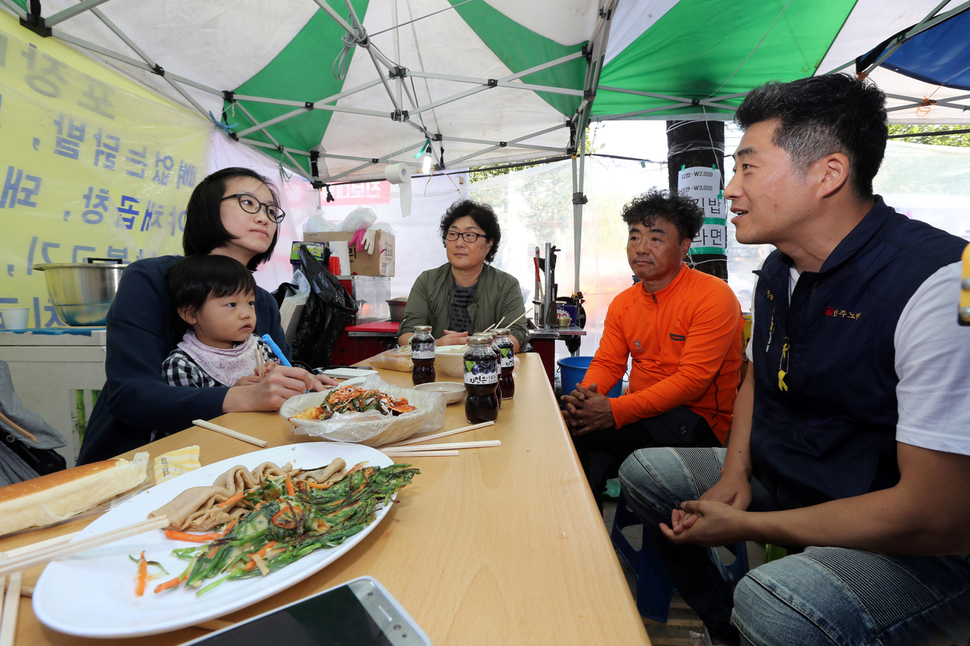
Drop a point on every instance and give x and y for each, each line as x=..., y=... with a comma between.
x=703, y=185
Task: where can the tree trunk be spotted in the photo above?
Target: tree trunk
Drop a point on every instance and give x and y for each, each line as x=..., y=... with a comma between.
x=697, y=143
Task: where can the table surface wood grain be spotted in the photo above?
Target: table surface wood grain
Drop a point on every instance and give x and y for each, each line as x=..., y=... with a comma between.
x=496, y=546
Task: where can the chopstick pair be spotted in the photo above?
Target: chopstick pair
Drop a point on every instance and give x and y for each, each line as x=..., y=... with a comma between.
x=41, y=553
x=259, y=361
x=414, y=448
x=496, y=325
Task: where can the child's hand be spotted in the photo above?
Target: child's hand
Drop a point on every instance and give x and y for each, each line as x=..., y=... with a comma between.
x=248, y=380
x=267, y=367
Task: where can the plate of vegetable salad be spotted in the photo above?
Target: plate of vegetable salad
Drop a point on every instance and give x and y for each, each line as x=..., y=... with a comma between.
x=294, y=531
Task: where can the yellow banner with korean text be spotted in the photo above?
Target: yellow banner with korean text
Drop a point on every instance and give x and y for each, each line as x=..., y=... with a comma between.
x=91, y=166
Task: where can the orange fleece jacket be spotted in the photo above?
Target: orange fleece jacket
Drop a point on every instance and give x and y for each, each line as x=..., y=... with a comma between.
x=686, y=346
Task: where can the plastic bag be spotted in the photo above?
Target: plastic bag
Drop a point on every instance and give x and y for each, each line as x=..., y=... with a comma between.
x=398, y=359
x=316, y=223
x=360, y=218
x=327, y=311
x=370, y=428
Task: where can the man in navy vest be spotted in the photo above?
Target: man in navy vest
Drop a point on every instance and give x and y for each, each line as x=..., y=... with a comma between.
x=851, y=430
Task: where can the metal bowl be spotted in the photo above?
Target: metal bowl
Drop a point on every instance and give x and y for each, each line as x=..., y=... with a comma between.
x=397, y=309
x=81, y=293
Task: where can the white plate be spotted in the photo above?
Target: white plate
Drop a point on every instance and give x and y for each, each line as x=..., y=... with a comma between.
x=347, y=373
x=92, y=594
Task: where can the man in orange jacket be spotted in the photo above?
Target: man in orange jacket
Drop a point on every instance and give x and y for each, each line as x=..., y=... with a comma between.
x=683, y=330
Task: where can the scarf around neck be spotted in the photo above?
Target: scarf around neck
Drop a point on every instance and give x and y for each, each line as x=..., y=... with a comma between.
x=226, y=366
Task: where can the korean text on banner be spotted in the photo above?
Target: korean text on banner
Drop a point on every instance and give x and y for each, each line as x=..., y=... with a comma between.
x=92, y=168
x=703, y=185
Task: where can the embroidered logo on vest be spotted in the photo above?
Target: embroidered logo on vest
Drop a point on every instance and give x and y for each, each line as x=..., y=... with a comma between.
x=837, y=313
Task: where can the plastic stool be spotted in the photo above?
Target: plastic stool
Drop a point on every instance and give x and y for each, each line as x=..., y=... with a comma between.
x=654, y=586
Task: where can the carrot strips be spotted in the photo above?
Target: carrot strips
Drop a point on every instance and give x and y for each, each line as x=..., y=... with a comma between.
x=142, y=575
x=171, y=583
x=261, y=553
x=191, y=538
x=232, y=500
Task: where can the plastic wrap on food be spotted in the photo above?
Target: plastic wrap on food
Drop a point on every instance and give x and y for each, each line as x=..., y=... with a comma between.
x=398, y=359
x=370, y=428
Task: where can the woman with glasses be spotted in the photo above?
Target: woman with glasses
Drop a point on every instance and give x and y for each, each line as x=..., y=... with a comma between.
x=466, y=295
x=233, y=212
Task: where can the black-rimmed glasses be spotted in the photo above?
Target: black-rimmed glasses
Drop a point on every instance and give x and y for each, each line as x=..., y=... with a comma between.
x=250, y=204
x=467, y=236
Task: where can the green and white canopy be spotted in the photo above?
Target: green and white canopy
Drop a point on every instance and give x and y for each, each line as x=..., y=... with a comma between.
x=338, y=89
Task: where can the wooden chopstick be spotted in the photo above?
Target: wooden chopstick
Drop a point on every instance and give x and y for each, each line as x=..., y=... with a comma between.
x=11, y=605
x=516, y=320
x=54, y=552
x=483, y=444
x=419, y=454
x=3, y=589
x=259, y=361
x=435, y=436
x=229, y=432
x=43, y=545
x=12, y=424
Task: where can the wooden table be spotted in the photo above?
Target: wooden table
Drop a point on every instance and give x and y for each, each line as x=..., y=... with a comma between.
x=496, y=546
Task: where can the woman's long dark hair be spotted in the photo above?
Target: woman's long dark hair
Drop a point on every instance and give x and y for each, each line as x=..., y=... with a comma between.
x=204, y=230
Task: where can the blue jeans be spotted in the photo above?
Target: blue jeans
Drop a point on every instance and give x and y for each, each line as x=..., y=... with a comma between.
x=824, y=596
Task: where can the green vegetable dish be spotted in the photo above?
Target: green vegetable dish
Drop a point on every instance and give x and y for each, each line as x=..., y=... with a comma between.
x=284, y=520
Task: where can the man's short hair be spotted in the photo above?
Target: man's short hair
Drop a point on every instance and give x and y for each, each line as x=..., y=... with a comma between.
x=679, y=210
x=821, y=115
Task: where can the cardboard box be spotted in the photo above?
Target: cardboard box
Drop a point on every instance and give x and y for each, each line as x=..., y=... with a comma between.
x=380, y=263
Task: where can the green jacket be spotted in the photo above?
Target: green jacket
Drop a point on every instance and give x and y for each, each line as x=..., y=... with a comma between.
x=496, y=296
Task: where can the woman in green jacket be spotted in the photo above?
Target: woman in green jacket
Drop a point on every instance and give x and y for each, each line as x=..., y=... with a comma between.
x=466, y=295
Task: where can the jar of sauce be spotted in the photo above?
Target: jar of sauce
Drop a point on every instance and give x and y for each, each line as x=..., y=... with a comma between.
x=481, y=380
x=422, y=355
x=506, y=362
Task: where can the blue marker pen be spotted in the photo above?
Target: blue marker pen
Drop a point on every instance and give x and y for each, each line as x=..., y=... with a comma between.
x=268, y=340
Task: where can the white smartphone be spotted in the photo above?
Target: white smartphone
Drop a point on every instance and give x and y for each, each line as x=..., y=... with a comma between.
x=358, y=613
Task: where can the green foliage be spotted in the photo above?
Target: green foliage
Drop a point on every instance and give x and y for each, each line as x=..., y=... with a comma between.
x=962, y=139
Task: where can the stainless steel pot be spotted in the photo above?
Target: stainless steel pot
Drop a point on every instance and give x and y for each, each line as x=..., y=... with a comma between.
x=81, y=293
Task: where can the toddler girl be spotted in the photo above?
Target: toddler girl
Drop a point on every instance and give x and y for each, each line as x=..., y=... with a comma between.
x=213, y=302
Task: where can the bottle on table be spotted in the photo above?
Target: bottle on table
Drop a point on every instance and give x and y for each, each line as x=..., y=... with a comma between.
x=422, y=355
x=506, y=361
x=493, y=336
x=481, y=380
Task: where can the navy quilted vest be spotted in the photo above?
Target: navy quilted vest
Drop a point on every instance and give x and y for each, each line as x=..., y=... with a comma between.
x=831, y=433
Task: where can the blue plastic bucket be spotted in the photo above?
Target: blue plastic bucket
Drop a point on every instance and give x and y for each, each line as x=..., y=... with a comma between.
x=573, y=369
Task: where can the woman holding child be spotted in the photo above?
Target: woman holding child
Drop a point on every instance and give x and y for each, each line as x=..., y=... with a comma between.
x=233, y=212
